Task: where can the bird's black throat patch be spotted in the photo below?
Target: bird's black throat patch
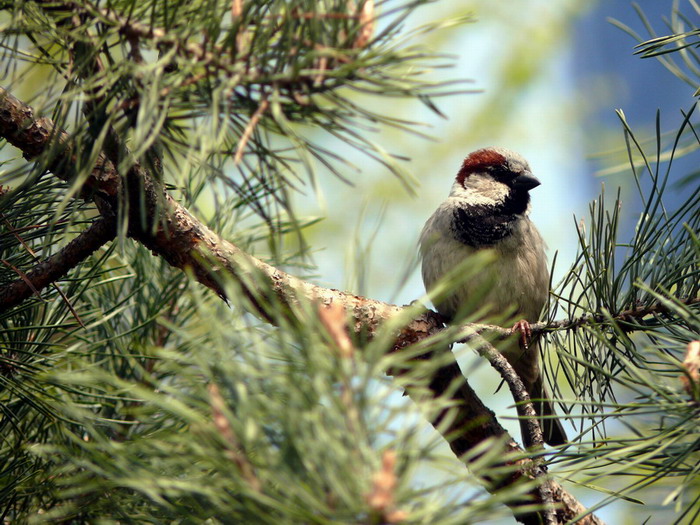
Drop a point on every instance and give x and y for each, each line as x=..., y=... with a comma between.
x=482, y=225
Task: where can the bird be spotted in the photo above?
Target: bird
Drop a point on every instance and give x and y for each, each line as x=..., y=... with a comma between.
x=488, y=209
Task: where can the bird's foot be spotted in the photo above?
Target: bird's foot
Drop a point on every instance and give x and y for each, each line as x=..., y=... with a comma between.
x=523, y=327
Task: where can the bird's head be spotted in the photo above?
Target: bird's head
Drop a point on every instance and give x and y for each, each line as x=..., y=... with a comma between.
x=493, y=176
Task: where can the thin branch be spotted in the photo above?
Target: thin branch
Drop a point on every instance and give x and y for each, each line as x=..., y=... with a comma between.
x=532, y=438
x=638, y=312
x=170, y=232
x=575, y=322
x=248, y=131
x=57, y=265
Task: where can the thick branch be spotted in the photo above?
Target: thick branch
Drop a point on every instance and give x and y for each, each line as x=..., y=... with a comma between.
x=172, y=233
x=57, y=265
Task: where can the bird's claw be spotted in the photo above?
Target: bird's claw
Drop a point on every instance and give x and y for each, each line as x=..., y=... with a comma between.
x=523, y=327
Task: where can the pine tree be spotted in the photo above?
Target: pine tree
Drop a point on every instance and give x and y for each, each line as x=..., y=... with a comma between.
x=165, y=355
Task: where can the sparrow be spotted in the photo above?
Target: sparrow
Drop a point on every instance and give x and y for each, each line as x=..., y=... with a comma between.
x=488, y=209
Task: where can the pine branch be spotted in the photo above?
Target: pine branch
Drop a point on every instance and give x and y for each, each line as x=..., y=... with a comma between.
x=211, y=56
x=625, y=316
x=57, y=265
x=169, y=231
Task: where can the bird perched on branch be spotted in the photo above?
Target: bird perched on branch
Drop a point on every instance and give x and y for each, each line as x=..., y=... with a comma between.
x=488, y=209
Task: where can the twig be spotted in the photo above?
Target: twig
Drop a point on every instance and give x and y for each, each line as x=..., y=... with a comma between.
x=57, y=265
x=573, y=323
x=248, y=131
x=533, y=438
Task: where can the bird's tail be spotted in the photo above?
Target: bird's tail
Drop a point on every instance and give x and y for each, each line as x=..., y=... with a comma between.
x=552, y=429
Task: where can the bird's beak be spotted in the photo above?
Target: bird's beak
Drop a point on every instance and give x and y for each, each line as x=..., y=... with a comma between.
x=526, y=181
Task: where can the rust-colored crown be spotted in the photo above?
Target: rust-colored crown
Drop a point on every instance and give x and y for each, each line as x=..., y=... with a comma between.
x=478, y=161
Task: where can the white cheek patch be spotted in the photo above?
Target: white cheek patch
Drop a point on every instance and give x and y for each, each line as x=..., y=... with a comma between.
x=482, y=191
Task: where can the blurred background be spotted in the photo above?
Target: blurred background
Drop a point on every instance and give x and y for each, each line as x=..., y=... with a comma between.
x=547, y=78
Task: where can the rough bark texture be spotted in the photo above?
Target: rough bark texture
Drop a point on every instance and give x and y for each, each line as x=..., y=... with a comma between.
x=58, y=265
x=169, y=231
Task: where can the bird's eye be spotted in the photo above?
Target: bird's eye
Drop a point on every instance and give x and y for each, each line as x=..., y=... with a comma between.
x=502, y=173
